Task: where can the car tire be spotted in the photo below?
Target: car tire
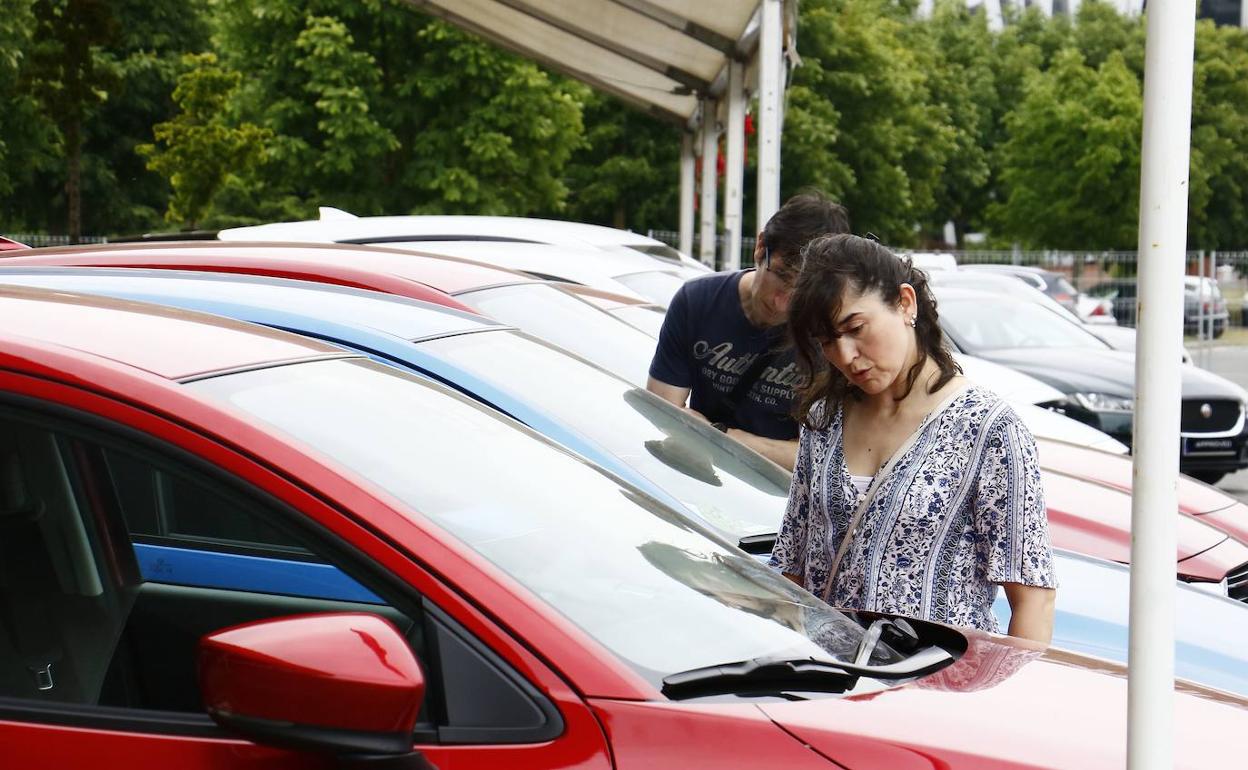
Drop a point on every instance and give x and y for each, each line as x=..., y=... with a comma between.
x=1209, y=477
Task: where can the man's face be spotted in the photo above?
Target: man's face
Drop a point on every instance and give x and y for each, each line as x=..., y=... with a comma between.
x=772, y=289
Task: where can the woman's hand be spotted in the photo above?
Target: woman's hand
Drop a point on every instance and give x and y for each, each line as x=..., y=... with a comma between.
x=1031, y=611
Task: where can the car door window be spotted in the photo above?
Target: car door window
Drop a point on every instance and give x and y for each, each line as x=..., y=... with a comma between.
x=115, y=558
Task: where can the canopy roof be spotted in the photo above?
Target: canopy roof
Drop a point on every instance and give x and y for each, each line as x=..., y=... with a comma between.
x=659, y=55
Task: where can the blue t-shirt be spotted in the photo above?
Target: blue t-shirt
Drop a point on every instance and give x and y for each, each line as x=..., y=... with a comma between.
x=707, y=343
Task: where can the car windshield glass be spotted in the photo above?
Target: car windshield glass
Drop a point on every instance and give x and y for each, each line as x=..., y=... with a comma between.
x=729, y=486
x=647, y=318
x=987, y=323
x=649, y=584
x=658, y=286
x=568, y=322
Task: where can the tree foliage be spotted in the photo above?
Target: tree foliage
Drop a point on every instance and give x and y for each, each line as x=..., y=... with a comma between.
x=1030, y=134
x=198, y=150
x=377, y=109
x=1071, y=160
x=626, y=172
x=861, y=123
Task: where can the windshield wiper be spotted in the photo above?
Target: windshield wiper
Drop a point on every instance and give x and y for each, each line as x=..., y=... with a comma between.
x=773, y=675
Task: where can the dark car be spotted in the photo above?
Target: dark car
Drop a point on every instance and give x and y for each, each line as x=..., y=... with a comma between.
x=1200, y=296
x=1098, y=382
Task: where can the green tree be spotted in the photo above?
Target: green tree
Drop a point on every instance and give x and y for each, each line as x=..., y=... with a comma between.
x=105, y=76
x=198, y=150
x=861, y=122
x=627, y=171
x=70, y=82
x=958, y=49
x=1070, y=165
x=26, y=139
x=1218, y=189
x=378, y=109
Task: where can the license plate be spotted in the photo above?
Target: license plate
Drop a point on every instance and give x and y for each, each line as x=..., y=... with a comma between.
x=1192, y=446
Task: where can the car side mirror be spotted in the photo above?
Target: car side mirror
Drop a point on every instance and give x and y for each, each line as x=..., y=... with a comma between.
x=341, y=683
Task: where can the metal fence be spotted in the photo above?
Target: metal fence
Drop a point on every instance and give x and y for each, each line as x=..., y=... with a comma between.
x=672, y=238
x=39, y=240
x=1222, y=303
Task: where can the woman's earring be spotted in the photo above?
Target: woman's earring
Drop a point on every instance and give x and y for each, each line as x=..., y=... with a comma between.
x=913, y=321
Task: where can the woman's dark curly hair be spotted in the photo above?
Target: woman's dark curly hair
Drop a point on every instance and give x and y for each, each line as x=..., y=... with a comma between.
x=834, y=265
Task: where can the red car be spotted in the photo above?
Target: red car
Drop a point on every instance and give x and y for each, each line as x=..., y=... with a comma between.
x=1086, y=516
x=562, y=316
x=8, y=244
x=519, y=609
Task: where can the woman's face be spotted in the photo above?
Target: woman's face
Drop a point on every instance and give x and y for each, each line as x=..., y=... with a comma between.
x=875, y=343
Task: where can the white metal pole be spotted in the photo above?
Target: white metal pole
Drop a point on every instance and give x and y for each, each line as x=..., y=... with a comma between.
x=710, y=182
x=734, y=166
x=687, y=183
x=770, y=94
x=1164, y=167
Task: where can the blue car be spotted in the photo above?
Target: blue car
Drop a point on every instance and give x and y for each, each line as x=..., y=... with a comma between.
x=647, y=442
x=637, y=436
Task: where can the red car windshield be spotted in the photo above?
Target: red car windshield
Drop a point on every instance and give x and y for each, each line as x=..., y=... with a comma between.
x=632, y=573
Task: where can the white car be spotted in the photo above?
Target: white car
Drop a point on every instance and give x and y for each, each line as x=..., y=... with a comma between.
x=625, y=273
x=336, y=226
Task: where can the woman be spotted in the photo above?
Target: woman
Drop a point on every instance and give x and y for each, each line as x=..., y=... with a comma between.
x=915, y=491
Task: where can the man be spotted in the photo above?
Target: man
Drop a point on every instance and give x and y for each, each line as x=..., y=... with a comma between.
x=722, y=353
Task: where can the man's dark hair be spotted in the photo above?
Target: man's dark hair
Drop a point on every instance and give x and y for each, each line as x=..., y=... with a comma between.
x=801, y=219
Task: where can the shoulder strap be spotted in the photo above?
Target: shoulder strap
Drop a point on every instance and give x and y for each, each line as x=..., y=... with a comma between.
x=880, y=475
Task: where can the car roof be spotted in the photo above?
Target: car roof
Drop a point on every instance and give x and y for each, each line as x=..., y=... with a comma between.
x=983, y=281
x=945, y=293
x=559, y=262
x=359, y=266
x=170, y=343
x=284, y=303
x=345, y=227
x=1011, y=268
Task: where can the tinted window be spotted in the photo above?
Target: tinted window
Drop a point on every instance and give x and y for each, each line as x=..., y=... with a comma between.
x=634, y=575
x=568, y=322
x=110, y=616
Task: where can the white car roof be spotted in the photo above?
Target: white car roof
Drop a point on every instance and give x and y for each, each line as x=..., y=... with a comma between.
x=932, y=260
x=337, y=226
x=600, y=270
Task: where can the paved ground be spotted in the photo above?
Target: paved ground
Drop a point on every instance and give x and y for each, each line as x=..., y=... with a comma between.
x=1230, y=362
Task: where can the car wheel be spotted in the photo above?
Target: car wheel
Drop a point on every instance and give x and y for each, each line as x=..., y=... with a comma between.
x=1209, y=477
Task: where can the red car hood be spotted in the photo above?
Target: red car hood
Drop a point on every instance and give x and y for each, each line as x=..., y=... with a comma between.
x=1194, y=497
x=1007, y=704
x=1095, y=519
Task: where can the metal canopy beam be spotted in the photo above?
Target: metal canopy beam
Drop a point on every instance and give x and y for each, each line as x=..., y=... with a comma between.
x=660, y=55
